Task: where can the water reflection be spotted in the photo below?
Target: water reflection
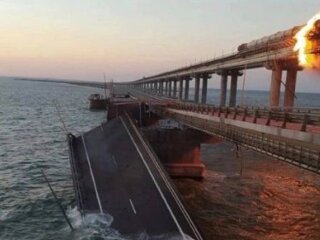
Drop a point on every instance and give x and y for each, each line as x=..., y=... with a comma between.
x=271, y=200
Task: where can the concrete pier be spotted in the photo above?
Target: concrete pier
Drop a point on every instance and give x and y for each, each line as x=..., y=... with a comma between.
x=156, y=87
x=186, y=89
x=180, y=88
x=274, y=98
x=233, y=89
x=223, y=89
x=166, y=88
x=289, y=93
x=179, y=151
x=174, y=88
x=169, y=88
x=161, y=88
x=197, y=89
x=204, y=89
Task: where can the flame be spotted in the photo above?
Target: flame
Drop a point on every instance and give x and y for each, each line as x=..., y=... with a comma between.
x=303, y=44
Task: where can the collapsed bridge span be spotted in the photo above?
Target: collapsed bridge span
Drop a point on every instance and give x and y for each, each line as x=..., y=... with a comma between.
x=116, y=172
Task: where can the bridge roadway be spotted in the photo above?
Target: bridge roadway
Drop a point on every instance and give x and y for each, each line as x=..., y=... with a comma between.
x=116, y=172
x=292, y=136
x=300, y=119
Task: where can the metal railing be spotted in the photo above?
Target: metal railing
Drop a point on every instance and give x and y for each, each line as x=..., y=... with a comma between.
x=299, y=153
x=303, y=116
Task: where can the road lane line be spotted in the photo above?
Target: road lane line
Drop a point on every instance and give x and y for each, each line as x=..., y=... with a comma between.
x=91, y=173
x=132, y=206
x=154, y=181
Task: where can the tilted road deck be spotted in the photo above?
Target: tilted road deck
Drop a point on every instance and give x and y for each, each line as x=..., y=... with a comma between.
x=116, y=172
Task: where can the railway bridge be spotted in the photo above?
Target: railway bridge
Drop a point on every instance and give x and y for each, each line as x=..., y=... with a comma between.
x=276, y=53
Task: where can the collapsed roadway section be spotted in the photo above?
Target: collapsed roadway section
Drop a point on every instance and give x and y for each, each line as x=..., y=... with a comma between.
x=116, y=172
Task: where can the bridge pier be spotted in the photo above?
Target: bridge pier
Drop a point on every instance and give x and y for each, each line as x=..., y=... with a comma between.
x=158, y=87
x=174, y=88
x=155, y=87
x=161, y=88
x=197, y=89
x=233, y=89
x=179, y=151
x=223, y=88
x=290, y=89
x=169, y=89
x=186, y=90
x=204, y=88
x=180, y=88
x=274, y=97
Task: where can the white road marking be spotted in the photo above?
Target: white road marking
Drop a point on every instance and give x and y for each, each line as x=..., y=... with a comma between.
x=91, y=173
x=155, y=182
x=101, y=128
x=132, y=206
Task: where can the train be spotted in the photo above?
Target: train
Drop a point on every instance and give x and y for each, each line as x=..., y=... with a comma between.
x=278, y=40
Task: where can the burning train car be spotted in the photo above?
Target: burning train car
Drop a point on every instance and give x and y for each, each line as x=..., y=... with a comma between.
x=272, y=42
x=284, y=39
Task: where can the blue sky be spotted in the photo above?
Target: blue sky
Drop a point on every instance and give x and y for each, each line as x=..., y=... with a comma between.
x=80, y=39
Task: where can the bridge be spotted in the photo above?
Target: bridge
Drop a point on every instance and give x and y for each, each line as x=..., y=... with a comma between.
x=275, y=53
x=108, y=179
x=283, y=131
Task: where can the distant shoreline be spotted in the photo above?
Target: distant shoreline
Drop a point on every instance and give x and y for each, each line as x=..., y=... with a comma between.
x=97, y=83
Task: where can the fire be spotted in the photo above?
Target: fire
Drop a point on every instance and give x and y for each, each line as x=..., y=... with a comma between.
x=303, y=44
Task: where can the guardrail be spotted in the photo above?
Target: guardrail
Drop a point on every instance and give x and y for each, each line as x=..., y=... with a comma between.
x=299, y=153
x=303, y=116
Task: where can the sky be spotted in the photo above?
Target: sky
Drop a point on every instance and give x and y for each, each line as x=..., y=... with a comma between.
x=129, y=39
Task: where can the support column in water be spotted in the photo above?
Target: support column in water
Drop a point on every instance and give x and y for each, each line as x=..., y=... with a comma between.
x=233, y=89
x=180, y=88
x=290, y=90
x=205, y=78
x=274, y=97
x=186, y=90
x=169, y=89
x=223, y=88
x=174, y=88
x=154, y=88
x=197, y=89
x=161, y=88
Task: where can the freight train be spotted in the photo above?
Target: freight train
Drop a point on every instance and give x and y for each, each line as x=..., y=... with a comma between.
x=278, y=40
